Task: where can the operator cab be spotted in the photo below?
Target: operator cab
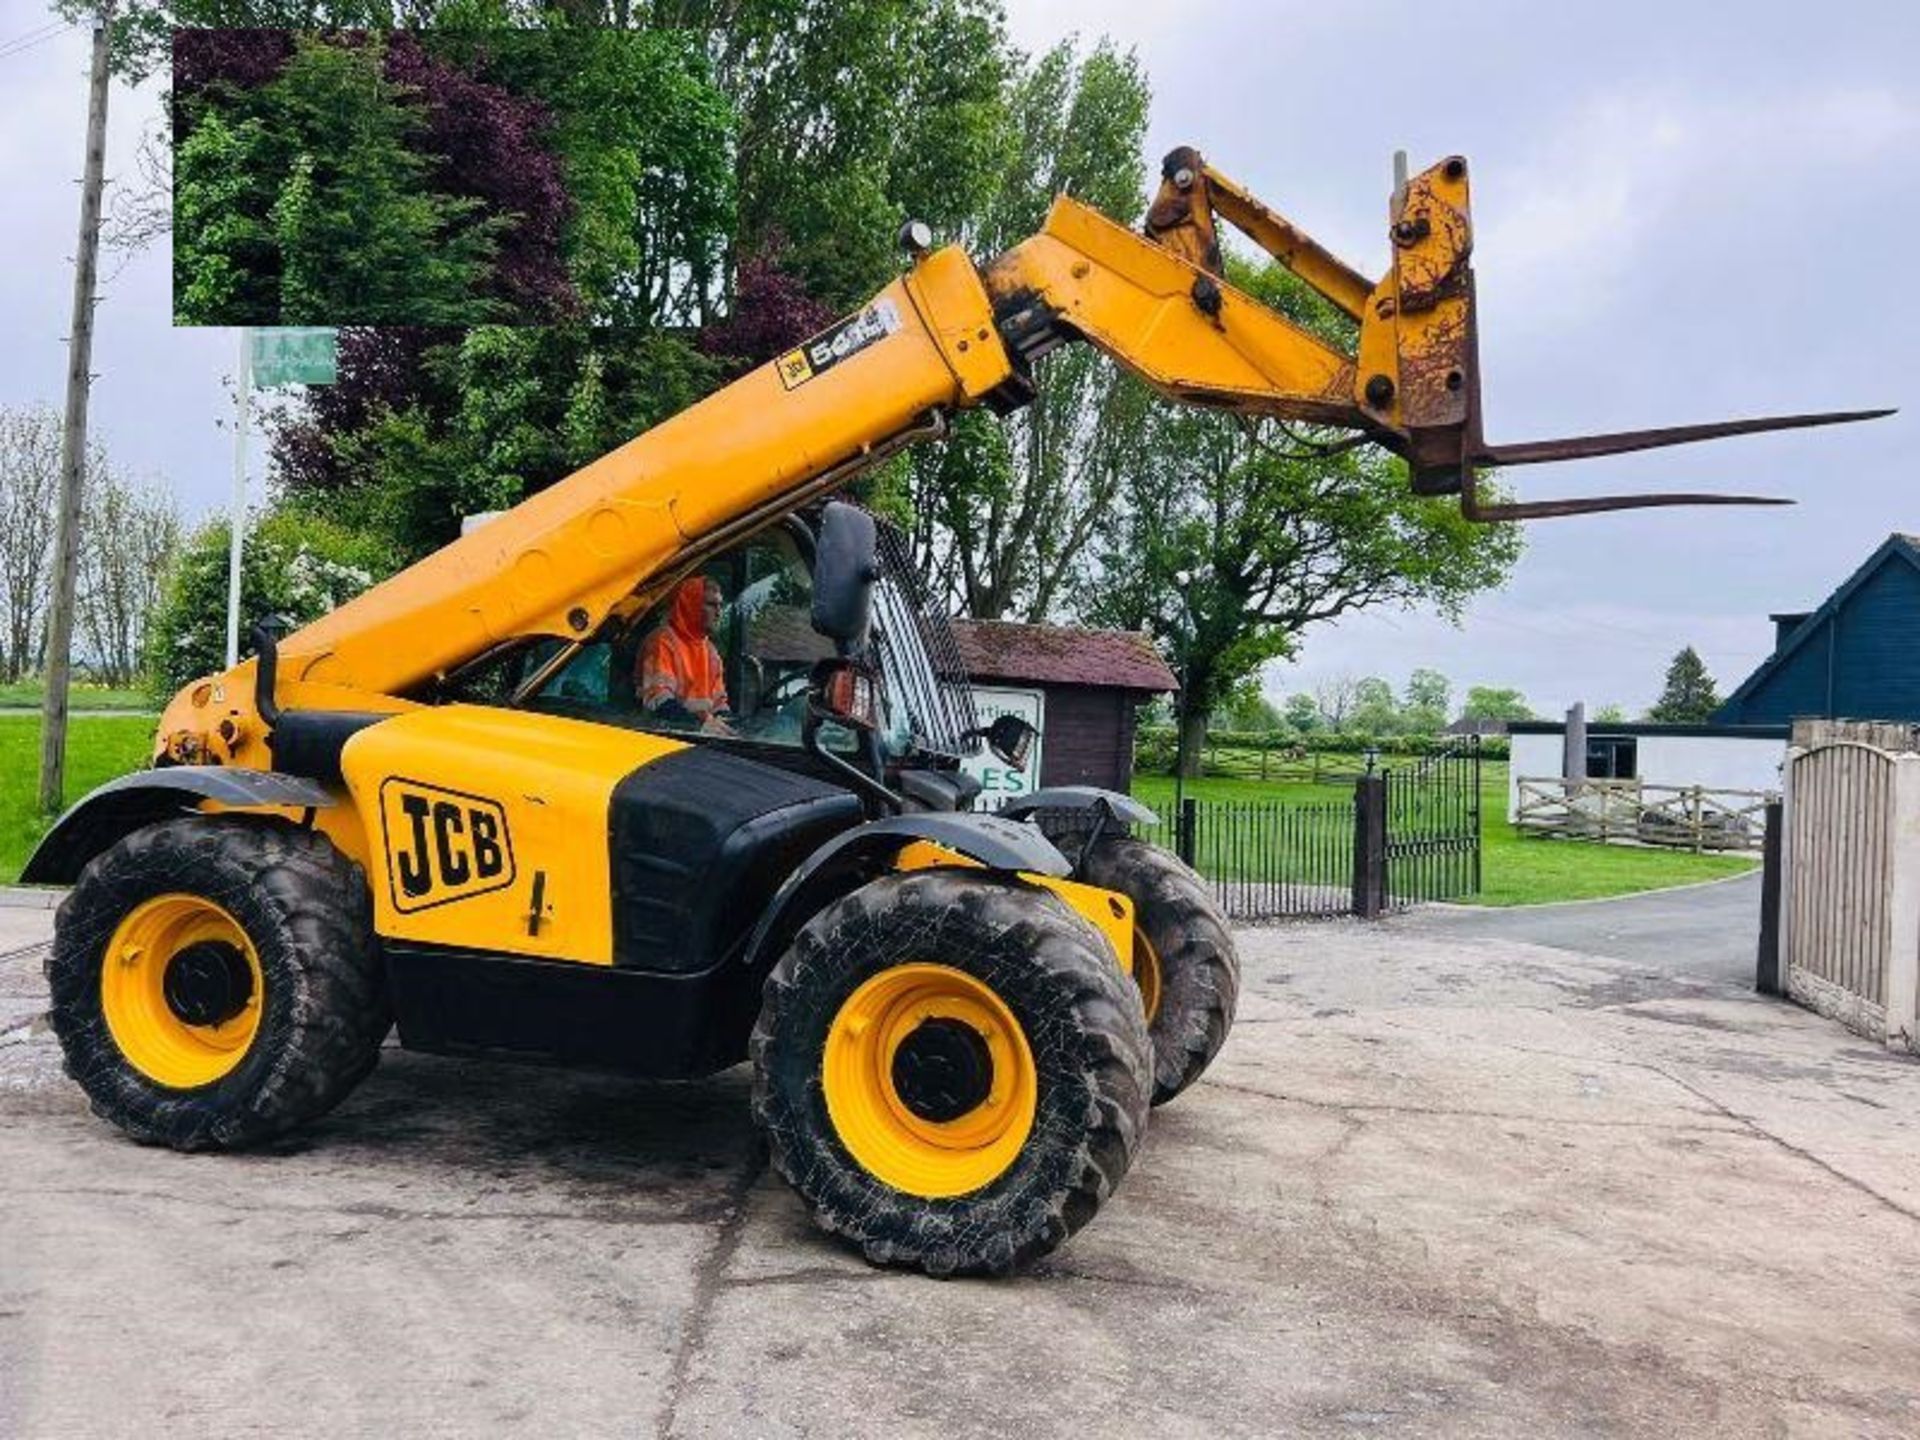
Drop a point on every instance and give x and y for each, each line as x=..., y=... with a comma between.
x=648, y=669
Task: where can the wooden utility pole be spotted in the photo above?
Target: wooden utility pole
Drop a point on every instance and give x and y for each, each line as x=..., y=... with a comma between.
x=73, y=440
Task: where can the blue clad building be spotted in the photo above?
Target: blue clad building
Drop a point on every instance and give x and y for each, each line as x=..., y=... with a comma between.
x=1856, y=657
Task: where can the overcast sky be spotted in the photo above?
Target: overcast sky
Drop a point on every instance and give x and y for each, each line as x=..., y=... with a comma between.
x=1684, y=211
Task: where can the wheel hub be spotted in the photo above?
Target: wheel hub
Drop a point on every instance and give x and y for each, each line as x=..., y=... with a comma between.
x=207, y=983
x=943, y=1070
x=929, y=1081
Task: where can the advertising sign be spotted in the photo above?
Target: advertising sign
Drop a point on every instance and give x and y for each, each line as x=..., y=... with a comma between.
x=999, y=783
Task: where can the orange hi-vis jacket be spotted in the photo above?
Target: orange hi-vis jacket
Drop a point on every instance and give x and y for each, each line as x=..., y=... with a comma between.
x=678, y=662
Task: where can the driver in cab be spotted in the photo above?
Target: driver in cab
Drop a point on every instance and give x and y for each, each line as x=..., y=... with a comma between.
x=681, y=678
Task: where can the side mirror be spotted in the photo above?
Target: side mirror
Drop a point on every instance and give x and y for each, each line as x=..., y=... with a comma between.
x=1011, y=740
x=844, y=569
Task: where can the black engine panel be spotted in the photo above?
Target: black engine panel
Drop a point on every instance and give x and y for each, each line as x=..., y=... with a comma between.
x=699, y=841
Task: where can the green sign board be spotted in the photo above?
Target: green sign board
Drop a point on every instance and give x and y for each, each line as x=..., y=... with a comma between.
x=294, y=355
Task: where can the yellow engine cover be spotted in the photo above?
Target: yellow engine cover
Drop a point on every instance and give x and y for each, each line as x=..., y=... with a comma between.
x=487, y=829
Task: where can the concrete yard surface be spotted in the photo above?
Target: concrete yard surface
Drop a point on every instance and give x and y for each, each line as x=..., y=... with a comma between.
x=1437, y=1184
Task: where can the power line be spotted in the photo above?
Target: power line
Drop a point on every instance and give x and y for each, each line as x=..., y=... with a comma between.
x=22, y=43
x=45, y=28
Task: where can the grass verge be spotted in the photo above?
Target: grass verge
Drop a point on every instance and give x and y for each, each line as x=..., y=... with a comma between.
x=99, y=747
x=29, y=694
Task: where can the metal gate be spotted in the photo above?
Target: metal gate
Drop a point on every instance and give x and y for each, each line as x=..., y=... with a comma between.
x=1431, y=829
x=1403, y=835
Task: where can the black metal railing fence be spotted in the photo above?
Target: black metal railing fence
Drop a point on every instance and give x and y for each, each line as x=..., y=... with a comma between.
x=1400, y=836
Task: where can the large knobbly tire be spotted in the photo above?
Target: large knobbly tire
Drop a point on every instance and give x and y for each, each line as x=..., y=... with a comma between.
x=322, y=1008
x=1199, y=969
x=1091, y=1065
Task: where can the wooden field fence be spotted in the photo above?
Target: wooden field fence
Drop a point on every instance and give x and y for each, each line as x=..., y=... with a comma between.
x=1275, y=765
x=1689, y=817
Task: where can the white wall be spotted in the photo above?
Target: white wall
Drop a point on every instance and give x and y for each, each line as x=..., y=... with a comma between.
x=1718, y=762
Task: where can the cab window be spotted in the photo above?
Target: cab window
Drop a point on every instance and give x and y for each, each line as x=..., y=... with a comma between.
x=727, y=653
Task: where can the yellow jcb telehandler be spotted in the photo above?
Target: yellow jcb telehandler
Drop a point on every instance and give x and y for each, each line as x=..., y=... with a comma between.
x=661, y=770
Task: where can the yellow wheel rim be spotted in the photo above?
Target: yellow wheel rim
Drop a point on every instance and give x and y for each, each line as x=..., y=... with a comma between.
x=1146, y=973
x=180, y=987
x=900, y=1137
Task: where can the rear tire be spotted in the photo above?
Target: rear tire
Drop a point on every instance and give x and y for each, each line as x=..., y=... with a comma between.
x=975, y=945
x=278, y=899
x=1188, y=944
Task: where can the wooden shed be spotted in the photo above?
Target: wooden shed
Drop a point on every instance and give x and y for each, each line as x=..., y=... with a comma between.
x=1087, y=684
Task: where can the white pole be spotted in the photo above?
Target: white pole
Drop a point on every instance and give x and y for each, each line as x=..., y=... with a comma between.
x=239, y=521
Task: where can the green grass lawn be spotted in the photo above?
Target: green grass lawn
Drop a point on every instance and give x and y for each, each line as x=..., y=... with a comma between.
x=28, y=694
x=99, y=747
x=1516, y=869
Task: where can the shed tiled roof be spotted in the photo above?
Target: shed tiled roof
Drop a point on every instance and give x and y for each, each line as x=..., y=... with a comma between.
x=1062, y=655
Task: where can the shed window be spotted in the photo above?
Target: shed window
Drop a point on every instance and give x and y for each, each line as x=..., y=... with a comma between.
x=1612, y=757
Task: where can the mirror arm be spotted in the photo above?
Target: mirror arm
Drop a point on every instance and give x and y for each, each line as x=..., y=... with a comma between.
x=869, y=788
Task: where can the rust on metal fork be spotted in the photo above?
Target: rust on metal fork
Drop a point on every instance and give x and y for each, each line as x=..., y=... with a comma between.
x=1586, y=447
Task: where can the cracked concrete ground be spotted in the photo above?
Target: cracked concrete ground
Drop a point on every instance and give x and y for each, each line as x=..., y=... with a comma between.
x=1438, y=1184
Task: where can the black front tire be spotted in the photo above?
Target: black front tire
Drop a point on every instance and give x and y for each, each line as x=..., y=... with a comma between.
x=1092, y=1060
x=323, y=1006
x=1199, y=967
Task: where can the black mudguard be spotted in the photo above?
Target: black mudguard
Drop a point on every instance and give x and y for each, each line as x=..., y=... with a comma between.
x=849, y=860
x=1081, y=797
x=122, y=806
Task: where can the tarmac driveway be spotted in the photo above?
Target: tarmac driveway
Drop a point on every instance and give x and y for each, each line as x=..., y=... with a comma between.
x=1436, y=1185
x=1707, y=932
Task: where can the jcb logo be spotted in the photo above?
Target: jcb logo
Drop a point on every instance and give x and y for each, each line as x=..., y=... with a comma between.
x=443, y=845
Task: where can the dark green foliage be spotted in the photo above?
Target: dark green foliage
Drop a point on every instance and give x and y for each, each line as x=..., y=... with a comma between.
x=851, y=117
x=305, y=202
x=224, y=257
x=895, y=105
x=643, y=137
x=1689, y=696
x=431, y=428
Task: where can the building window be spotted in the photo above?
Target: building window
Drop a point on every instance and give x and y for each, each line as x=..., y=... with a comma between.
x=1612, y=757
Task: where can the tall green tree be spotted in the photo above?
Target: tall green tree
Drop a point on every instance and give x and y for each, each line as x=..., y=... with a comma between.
x=645, y=139
x=1491, y=702
x=1375, y=710
x=1302, y=713
x=1689, y=696
x=223, y=252
x=1006, y=512
x=1429, y=703
x=1232, y=539
x=853, y=116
